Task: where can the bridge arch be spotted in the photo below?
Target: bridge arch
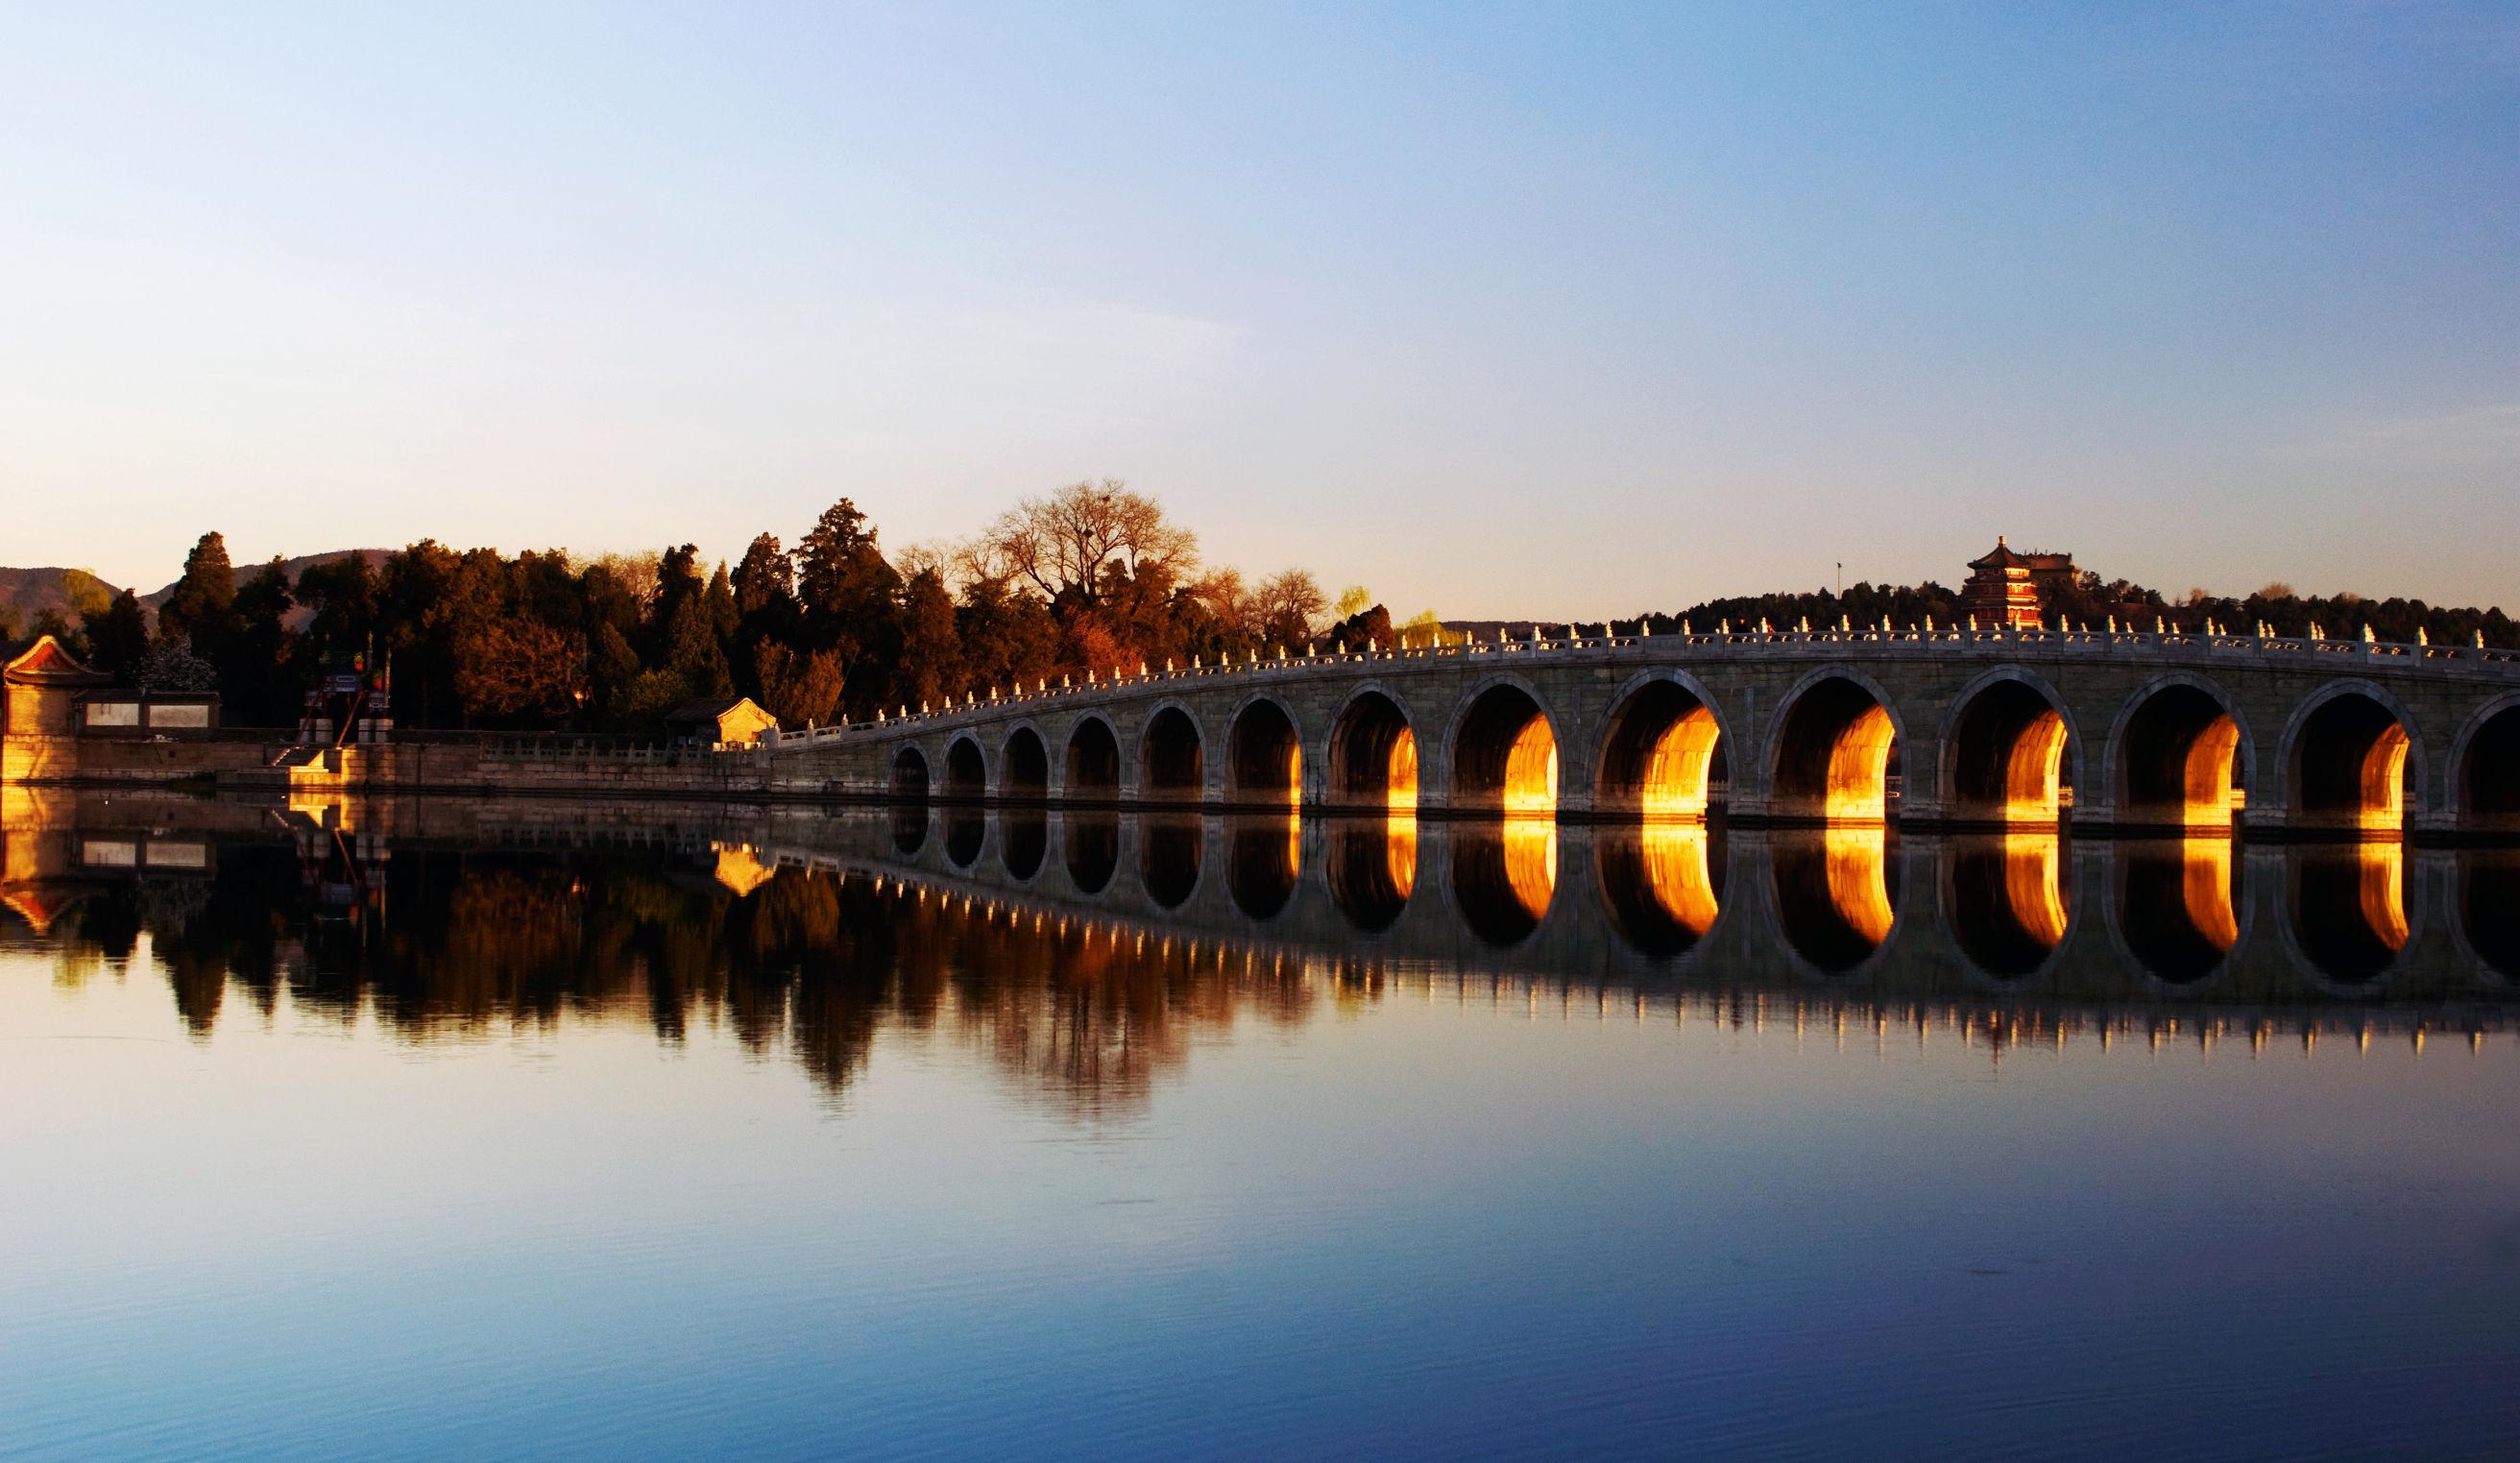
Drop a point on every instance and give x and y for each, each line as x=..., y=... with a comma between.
x=1503, y=749
x=1373, y=753
x=1023, y=762
x=1172, y=754
x=967, y=769
x=2178, y=750
x=1092, y=759
x=2484, y=761
x=1665, y=740
x=909, y=773
x=1264, y=758
x=2347, y=752
x=2009, y=749
x=1829, y=756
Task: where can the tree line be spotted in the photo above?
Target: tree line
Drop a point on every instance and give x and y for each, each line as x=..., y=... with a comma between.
x=1090, y=579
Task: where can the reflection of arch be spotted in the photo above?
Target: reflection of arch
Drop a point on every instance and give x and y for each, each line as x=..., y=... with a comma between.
x=2006, y=901
x=1093, y=758
x=1261, y=862
x=1830, y=754
x=2346, y=753
x=2010, y=748
x=967, y=769
x=1023, y=842
x=1264, y=752
x=2489, y=907
x=2347, y=907
x=1023, y=763
x=1503, y=749
x=908, y=829
x=1836, y=899
x=965, y=832
x=1374, y=751
x=1172, y=758
x=1659, y=753
x=2178, y=750
x=1168, y=857
x=2485, y=759
x=1504, y=877
x=909, y=773
x=2176, y=905
x=1660, y=883
x=1092, y=852
x=1372, y=869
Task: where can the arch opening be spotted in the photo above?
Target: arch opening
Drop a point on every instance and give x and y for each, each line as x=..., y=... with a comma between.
x=2349, y=766
x=1660, y=883
x=2178, y=903
x=1174, y=765
x=1023, y=843
x=2009, y=763
x=1504, y=875
x=909, y=773
x=2179, y=761
x=1262, y=861
x=1168, y=854
x=2349, y=906
x=1834, y=756
x=1504, y=758
x=1265, y=755
x=1373, y=754
x=1660, y=758
x=1023, y=768
x=1374, y=869
x=2489, y=775
x=1093, y=760
x=1836, y=893
x=967, y=772
x=1092, y=852
x=2008, y=904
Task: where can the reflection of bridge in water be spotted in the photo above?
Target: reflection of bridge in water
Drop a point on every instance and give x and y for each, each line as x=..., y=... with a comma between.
x=2019, y=932
x=2119, y=729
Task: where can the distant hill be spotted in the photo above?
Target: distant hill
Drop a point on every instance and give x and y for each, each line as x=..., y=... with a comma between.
x=26, y=593
x=295, y=566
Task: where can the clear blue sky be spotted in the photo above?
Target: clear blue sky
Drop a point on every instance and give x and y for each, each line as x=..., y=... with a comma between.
x=1503, y=310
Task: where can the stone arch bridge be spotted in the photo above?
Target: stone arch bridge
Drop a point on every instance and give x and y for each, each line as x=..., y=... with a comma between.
x=1943, y=728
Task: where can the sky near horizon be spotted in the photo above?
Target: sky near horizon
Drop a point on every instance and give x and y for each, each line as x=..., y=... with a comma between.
x=1500, y=310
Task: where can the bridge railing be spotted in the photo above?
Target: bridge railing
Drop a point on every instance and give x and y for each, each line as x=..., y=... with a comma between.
x=2296, y=650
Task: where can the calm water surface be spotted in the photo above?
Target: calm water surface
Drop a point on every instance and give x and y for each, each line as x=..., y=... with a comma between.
x=565, y=1134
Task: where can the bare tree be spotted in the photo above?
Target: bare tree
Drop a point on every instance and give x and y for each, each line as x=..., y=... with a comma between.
x=1289, y=604
x=1067, y=541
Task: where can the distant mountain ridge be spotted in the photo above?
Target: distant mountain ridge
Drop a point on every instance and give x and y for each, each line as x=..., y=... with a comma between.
x=26, y=593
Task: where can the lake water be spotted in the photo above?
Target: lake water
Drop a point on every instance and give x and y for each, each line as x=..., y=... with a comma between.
x=429, y=1130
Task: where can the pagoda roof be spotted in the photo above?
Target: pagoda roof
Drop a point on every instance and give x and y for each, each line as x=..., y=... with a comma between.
x=42, y=662
x=2000, y=557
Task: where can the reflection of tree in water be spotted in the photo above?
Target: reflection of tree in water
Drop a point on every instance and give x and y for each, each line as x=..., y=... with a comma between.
x=460, y=943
